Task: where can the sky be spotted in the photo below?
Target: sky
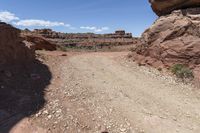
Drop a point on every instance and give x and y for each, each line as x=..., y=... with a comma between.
x=98, y=16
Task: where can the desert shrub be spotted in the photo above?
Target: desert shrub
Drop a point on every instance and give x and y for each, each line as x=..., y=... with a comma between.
x=181, y=71
x=132, y=49
x=160, y=69
x=62, y=48
x=129, y=55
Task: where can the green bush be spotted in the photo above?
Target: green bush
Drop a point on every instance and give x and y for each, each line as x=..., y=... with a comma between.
x=181, y=71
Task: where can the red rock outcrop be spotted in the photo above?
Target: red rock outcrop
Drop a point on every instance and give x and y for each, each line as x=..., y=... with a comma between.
x=13, y=50
x=48, y=33
x=23, y=79
x=163, y=7
x=39, y=43
x=172, y=39
x=85, y=40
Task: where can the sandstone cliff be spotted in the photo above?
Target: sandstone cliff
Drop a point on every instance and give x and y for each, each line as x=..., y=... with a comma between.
x=172, y=39
x=163, y=7
x=85, y=39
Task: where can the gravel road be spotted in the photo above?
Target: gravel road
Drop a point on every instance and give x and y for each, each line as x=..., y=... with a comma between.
x=104, y=92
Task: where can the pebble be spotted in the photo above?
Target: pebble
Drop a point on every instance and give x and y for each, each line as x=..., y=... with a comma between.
x=45, y=112
x=128, y=124
x=123, y=129
x=59, y=111
x=49, y=116
x=8, y=74
x=38, y=114
x=2, y=87
x=66, y=125
x=174, y=118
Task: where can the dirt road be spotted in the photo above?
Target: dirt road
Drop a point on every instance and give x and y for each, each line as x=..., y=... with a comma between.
x=103, y=92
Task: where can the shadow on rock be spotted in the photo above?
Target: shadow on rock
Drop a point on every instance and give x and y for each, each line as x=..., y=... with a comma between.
x=22, y=92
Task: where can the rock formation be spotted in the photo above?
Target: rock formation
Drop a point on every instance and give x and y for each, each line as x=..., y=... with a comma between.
x=174, y=38
x=48, y=33
x=23, y=79
x=86, y=40
x=13, y=50
x=39, y=43
x=162, y=7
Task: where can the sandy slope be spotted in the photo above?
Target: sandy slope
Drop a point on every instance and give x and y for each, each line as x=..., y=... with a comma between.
x=102, y=92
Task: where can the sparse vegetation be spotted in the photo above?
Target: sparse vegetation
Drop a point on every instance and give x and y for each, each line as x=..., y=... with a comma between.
x=132, y=49
x=181, y=71
x=160, y=69
x=129, y=56
x=62, y=48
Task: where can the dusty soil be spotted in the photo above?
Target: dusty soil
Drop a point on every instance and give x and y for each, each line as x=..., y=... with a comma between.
x=98, y=92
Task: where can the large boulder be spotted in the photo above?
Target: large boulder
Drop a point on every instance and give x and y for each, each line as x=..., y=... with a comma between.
x=172, y=39
x=13, y=50
x=162, y=7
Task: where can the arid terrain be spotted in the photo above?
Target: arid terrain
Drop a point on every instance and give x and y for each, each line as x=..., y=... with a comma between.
x=118, y=41
x=96, y=92
x=52, y=82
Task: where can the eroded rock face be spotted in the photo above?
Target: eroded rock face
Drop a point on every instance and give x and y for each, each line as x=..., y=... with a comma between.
x=48, y=33
x=13, y=50
x=162, y=7
x=80, y=40
x=39, y=43
x=172, y=39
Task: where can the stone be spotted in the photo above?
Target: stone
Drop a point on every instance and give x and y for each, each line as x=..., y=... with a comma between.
x=163, y=7
x=39, y=43
x=45, y=112
x=49, y=116
x=64, y=55
x=172, y=39
x=8, y=74
x=12, y=48
x=83, y=40
x=123, y=129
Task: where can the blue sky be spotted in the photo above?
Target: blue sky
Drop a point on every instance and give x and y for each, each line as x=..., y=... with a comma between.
x=101, y=16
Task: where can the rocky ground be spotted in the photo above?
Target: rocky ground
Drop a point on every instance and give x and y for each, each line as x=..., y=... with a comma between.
x=105, y=92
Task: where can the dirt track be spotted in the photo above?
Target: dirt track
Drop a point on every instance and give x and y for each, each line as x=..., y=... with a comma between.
x=103, y=92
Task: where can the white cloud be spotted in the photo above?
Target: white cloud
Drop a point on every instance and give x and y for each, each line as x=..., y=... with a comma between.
x=95, y=29
x=6, y=16
x=9, y=17
x=40, y=23
x=67, y=25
